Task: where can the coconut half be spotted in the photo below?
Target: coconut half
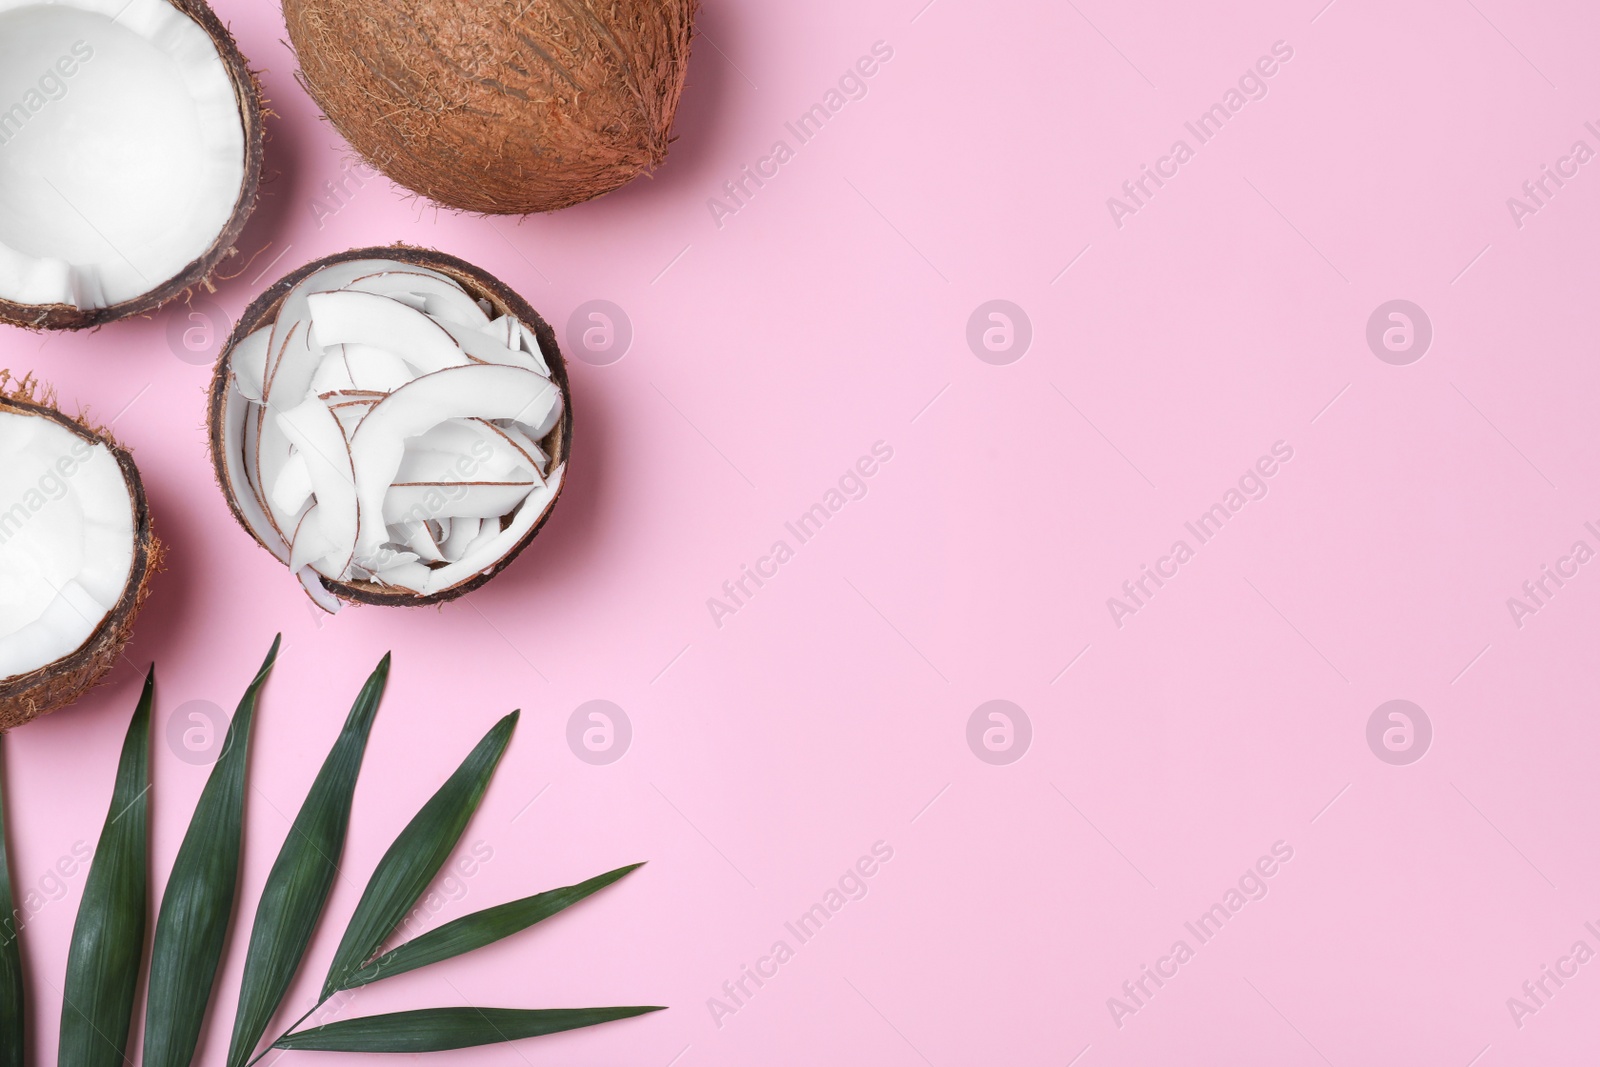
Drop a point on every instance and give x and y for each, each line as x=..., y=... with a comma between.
x=76, y=553
x=130, y=155
x=505, y=107
x=392, y=424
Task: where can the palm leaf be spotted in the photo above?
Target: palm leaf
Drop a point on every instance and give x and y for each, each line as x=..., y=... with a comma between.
x=108, y=937
x=416, y=856
x=443, y=1029
x=297, y=887
x=198, y=902
x=479, y=929
x=13, y=1016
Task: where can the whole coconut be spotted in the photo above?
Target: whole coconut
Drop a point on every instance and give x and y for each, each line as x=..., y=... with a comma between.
x=498, y=106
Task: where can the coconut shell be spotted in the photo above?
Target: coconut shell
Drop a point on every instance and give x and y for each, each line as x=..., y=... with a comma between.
x=500, y=106
x=27, y=696
x=247, y=90
x=479, y=284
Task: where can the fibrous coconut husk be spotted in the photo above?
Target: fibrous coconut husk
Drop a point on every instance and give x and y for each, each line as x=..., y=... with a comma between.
x=502, y=106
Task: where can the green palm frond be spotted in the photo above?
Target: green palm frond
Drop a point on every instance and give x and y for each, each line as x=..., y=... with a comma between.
x=106, y=959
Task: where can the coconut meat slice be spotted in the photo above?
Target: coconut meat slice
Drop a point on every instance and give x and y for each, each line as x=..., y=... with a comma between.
x=503, y=328
x=374, y=369
x=295, y=356
x=350, y=316
x=425, y=290
x=425, y=465
x=250, y=365
x=463, y=531
x=293, y=487
x=476, y=451
x=320, y=443
x=492, y=544
x=350, y=413
x=475, y=391
x=525, y=445
x=66, y=540
x=412, y=502
x=273, y=451
x=530, y=345
x=122, y=149
x=407, y=574
x=333, y=373
x=311, y=541
x=238, y=441
x=317, y=591
x=291, y=335
x=540, y=415
x=419, y=538
x=484, y=348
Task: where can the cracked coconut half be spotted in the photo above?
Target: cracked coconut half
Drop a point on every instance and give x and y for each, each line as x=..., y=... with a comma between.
x=392, y=424
x=130, y=154
x=76, y=553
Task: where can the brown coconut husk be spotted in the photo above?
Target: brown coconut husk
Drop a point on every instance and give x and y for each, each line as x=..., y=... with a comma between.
x=27, y=696
x=502, y=106
x=252, y=110
x=479, y=284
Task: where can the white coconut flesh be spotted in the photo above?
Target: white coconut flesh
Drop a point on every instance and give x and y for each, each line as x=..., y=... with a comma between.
x=66, y=540
x=385, y=426
x=122, y=149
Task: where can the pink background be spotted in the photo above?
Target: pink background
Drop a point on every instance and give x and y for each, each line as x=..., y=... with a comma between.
x=830, y=712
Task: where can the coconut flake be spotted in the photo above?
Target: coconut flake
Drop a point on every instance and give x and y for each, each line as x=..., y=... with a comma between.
x=504, y=330
x=424, y=289
x=415, y=501
x=317, y=591
x=250, y=364
x=293, y=487
x=238, y=432
x=314, y=431
x=352, y=317
x=490, y=546
x=475, y=391
x=419, y=538
x=482, y=348
x=373, y=369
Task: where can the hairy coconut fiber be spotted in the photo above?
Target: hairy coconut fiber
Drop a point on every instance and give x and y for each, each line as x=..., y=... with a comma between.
x=500, y=106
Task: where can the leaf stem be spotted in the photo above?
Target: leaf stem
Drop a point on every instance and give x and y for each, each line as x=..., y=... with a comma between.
x=292, y=1027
